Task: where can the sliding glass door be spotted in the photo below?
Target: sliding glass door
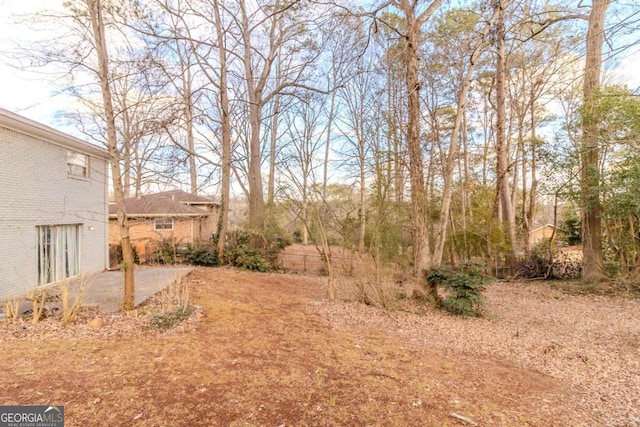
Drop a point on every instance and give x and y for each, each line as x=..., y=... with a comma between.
x=58, y=252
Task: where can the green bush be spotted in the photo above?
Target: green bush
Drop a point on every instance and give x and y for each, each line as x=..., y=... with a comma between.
x=249, y=259
x=252, y=251
x=168, y=252
x=297, y=235
x=169, y=320
x=464, y=288
x=206, y=256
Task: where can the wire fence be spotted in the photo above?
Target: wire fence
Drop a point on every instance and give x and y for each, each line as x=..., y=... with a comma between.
x=306, y=263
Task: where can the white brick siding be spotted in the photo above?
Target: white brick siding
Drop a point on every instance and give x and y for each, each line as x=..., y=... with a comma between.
x=35, y=190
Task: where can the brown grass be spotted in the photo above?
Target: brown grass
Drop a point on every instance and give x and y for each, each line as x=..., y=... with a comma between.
x=264, y=356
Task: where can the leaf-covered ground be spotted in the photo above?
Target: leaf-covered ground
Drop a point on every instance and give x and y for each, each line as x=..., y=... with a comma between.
x=270, y=351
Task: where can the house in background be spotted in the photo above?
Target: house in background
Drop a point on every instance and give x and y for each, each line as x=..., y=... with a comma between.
x=177, y=216
x=544, y=232
x=53, y=215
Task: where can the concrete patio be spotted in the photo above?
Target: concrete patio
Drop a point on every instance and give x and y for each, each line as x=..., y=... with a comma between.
x=106, y=289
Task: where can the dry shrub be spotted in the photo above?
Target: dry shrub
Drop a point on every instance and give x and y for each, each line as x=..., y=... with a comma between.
x=628, y=284
x=548, y=262
x=384, y=293
x=373, y=287
x=175, y=297
x=71, y=309
x=38, y=298
x=352, y=263
x=175, y=306
x=12, y=309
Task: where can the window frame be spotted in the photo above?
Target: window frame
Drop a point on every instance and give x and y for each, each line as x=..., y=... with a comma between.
x=77, y=165
x=165, y=222
x=59, y=252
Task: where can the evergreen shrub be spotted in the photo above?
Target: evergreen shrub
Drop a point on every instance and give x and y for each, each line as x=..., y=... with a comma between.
x=463, y=288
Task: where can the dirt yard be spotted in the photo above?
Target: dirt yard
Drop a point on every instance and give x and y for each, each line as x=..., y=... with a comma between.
x=271, y=352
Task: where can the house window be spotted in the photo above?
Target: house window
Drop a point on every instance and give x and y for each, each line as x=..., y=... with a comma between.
x=164, y=223
x=77, y=164
x=58, y=252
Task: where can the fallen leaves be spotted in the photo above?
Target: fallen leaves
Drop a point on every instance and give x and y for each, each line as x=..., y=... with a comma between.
x=270, y=351
x=587, y=341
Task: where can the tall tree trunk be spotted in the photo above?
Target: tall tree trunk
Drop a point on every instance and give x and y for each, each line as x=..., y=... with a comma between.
x=188, y=117
x=362, y=153
x=363, y=208
x=327, y=148
x=305, y=211
x=465, y=196
x=447, y=192
x=486, y=125
x=523, y=212
x=225, y=184
x=256, y=198
x=271, y=187
x=416, y=167
x=420, y=238
x=126, y=165
x=502, y=153
x=97, y=26
x=531, y=208
x=126, y=152
x=138, y=181
x=332, y=293
x=273, y=137
x=592, y=268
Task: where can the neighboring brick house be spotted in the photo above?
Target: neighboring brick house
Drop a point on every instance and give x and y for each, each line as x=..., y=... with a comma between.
x=178, y=216
x=544, y=233
x=53, y=215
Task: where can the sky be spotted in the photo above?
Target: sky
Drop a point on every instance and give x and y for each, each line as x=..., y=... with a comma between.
x=26, y=93
x=32, y=95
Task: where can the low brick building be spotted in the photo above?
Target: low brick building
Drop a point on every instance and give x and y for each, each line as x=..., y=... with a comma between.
x=544, y=232
x=176, y=216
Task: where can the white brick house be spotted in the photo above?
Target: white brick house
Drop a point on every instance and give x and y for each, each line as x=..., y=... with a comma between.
x=53, y=206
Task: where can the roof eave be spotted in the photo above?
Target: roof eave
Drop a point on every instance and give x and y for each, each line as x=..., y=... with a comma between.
x=163, y=215
x=37, y=130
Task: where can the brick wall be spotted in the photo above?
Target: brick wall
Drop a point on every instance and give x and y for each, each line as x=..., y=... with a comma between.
x=185, y=230
x=36, y=190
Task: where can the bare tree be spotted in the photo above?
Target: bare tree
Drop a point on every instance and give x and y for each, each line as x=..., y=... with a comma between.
x=225, y=185
x=94, y=9
x=304, y=132
x=265, y=33
x=502, y=149
x=535, y=66
x=447, y=192
x=358, y=125
x=414, y=20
